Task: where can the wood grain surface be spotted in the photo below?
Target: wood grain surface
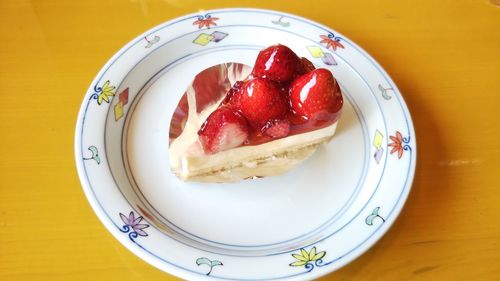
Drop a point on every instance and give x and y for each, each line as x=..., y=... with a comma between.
x=443, y=55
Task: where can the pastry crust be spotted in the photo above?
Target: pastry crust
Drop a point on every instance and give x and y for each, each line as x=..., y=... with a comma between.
x=268, y=159
x=275, y=164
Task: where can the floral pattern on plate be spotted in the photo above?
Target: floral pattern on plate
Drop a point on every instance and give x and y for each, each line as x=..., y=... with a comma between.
x=133, y=226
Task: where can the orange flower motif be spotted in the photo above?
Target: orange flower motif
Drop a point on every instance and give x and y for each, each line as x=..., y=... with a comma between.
x=397, y=144
x=331, y=41
x=205, y=21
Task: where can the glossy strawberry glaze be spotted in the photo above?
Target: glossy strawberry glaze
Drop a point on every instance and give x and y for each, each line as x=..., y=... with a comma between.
x=284, y=95
x=256, y=137
x=298, y=124
x=297, y=127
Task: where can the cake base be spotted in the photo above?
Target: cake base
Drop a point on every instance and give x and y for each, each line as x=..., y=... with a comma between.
x=268, y=159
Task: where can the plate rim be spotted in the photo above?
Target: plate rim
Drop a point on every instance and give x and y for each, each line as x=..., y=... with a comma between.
x=109, y=224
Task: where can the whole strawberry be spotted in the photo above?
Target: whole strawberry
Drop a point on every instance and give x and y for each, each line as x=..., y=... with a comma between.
x=277, y=63
x=307, y=66
x=315, y=95
x=260, y=100
x=224, y=128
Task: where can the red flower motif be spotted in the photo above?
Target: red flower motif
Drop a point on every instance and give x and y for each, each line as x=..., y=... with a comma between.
x=397, y=144
x=331, y=41
x=205, y=21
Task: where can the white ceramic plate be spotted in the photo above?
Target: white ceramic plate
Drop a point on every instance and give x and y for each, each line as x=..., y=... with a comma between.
x=297, y=226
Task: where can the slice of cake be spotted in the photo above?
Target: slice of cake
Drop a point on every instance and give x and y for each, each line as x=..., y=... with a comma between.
x=227, y=129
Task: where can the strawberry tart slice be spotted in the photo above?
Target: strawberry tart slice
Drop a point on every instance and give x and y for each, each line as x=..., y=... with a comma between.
x=262, y=125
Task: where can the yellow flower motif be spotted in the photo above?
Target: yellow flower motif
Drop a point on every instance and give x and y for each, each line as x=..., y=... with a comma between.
x=304, y=257
x=106, y=93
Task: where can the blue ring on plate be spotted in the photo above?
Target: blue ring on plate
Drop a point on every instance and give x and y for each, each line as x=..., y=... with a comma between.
x=328, y=222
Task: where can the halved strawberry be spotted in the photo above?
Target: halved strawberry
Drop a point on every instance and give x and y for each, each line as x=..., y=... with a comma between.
x=260, y=100
x=224, y=128
x=277, y=128
x=315, y=95
x=277, y=63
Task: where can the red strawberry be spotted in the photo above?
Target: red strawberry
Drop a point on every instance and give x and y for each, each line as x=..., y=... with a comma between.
x=277, y=128
x=277, y=63
x=232, y=91
x=315, y=95
x=307, y=65
x=260, y=100
x=225, y=128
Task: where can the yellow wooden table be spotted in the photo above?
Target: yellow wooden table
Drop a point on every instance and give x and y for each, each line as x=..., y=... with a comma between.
x=443, y=55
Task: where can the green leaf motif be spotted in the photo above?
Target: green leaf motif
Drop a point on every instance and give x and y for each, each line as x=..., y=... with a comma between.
x=210, y=263
x=384, y=92
x=93, y=149
x=206, y=261
x=95, y=154
x=215, y=263
x=370, y=218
